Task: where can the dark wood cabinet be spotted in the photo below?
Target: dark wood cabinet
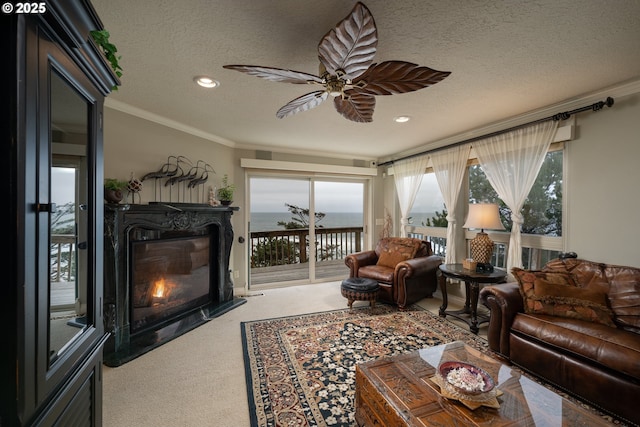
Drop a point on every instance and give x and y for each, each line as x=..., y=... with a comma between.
x=51, y=301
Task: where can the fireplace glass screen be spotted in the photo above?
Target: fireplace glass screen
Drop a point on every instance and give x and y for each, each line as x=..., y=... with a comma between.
x=169, y=277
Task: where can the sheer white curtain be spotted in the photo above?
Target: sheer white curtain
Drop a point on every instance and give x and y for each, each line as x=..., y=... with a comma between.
x=408, y=176
x=511, y=162
x=449, y=167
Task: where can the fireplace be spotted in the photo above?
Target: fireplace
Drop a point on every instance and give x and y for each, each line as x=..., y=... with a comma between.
x=166, y=272
x=168, y=276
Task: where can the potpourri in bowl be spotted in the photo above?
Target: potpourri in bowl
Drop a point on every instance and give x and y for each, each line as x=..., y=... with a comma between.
x=465, y=378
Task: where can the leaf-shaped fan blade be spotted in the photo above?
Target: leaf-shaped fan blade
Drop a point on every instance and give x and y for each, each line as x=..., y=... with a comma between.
x=303, y=103
x=391, y=77
x=357, y=107
x=351, y=46
x=276, y=74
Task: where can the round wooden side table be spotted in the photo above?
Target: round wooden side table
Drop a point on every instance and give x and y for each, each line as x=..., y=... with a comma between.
x=472, y=281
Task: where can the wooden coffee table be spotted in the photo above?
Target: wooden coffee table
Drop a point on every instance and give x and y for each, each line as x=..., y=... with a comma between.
x=399, y=391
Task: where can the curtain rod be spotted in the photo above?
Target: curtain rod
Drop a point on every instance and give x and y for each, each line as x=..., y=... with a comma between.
x=560, y=116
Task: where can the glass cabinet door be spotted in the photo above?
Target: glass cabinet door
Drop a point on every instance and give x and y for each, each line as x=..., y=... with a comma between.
x=68, y=216
x=69, y=322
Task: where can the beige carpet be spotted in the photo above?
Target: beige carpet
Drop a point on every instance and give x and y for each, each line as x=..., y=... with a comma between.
x=198, y=379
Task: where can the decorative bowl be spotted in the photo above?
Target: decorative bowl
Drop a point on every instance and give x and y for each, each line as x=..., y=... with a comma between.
x=465, y=378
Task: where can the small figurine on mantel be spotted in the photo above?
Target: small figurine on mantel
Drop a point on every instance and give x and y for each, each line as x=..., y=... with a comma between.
x=212, y=197
x=134, y=186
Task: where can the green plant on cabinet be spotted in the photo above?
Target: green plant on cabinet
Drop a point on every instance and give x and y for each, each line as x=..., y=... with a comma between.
x=101, y=38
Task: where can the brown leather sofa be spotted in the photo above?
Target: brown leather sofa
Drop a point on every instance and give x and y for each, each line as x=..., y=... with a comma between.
x=576, y=324
x=404, y=267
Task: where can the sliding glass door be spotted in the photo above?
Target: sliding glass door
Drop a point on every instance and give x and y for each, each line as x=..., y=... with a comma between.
x=279, y=230
x=340, y=231
x=301, y=228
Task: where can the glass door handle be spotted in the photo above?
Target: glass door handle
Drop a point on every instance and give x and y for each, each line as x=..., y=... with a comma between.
x=46, y=207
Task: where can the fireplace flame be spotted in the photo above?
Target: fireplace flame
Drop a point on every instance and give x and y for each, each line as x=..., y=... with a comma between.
x=159, y=288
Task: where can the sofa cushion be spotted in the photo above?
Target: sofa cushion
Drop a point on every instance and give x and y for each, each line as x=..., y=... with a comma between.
x=585, y=274
x=377, y=272
x=397, y=250
x=624, y=296
x=590, y=274
x=527, y=278
x=608, y=347
x=571, y=301
x=555, y=293
x=622, y=285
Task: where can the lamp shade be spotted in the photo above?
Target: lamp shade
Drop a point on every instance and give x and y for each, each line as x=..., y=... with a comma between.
x=484, y=216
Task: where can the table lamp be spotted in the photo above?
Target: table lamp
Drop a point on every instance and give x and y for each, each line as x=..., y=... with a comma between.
x=483, y=216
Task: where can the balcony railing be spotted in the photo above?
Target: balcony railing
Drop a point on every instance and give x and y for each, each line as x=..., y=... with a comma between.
x=280, y=247
x=61, y=257
x=536, y=250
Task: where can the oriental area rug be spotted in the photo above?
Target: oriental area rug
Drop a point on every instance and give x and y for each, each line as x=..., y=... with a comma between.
x=300, y=370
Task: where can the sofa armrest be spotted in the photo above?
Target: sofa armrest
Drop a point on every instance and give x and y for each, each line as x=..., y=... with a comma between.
x=359, y=259
x=415, y=279
x=504, y=301
x=418, y=266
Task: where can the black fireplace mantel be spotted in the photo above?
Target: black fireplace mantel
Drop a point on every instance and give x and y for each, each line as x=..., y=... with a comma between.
x=123, y=225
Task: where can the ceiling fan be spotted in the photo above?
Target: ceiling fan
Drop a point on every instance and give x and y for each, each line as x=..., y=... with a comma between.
x=347, y=71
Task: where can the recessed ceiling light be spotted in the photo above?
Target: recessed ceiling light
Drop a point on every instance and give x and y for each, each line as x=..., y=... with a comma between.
x=401, y=119
x=207, y=82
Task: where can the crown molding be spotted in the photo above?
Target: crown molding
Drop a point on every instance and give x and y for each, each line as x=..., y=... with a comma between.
x=152, y=117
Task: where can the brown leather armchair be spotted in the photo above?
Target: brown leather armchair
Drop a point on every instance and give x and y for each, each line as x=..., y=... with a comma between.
x=404, y=267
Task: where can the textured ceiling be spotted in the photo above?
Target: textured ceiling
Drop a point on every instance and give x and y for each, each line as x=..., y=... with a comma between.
x=506, y=58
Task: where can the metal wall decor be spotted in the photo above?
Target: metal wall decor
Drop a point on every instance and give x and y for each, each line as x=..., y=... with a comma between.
x=183, y=179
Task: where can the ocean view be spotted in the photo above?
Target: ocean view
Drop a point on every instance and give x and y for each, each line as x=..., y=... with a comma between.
x=418, y=218
x=268, y=221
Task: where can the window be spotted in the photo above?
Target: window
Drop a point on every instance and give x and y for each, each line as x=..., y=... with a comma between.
x=542, y=228
x=543, y=208
x=428, y=209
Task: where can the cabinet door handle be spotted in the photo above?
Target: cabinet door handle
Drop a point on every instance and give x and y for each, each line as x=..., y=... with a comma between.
x=46, y=207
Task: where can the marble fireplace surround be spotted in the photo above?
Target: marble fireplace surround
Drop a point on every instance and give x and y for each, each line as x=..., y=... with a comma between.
x=125, y=224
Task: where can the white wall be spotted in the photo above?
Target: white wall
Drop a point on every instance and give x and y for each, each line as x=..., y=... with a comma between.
x=602, y=185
